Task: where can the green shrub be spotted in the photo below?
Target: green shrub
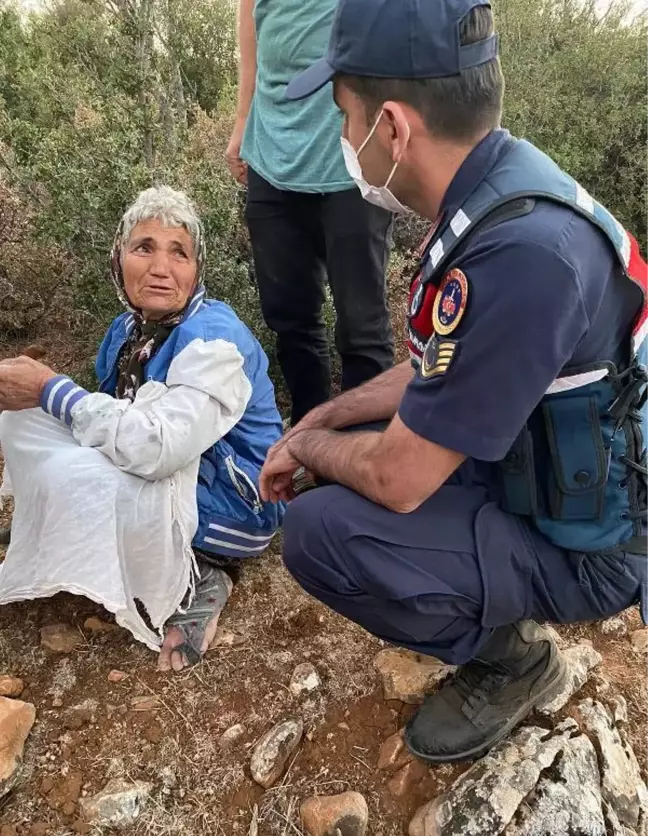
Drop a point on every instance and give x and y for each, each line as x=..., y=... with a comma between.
x=100, y=99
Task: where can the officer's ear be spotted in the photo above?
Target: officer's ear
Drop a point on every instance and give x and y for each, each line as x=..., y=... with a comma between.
x=399, y=129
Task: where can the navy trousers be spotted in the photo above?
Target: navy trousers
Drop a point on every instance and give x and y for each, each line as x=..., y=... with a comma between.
x=440, y=579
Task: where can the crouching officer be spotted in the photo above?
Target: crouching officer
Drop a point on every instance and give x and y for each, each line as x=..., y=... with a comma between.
x=510, y=484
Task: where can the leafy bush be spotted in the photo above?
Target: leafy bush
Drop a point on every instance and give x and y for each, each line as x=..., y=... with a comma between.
x=576, y=87
x=101, y=98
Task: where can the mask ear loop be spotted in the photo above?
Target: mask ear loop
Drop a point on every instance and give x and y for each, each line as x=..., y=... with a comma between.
x=370, y=134
x=396, y=164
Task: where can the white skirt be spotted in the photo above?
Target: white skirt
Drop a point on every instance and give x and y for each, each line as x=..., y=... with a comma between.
x=81, y=525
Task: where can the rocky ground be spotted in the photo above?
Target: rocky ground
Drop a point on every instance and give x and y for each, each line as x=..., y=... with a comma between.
x=291, y=726
x=294, y=703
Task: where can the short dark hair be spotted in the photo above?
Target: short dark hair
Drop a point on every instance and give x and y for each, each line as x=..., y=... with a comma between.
x=455, y=107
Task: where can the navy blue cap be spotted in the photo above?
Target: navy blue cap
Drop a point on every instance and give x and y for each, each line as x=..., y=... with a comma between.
x=396, y=39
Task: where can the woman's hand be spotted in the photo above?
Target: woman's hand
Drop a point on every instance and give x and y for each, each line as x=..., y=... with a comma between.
x=21, y=382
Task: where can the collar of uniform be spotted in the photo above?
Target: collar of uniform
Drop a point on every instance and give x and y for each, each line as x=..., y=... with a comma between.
x=474, y=169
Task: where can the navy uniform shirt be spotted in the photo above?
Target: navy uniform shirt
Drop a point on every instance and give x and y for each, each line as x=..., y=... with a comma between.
x=544, y=291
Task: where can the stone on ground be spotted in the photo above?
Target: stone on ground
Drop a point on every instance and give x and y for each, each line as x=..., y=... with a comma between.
x=116, y=676
x=485, y=799
x=335, y=815
x=621, y=782
x=11, y=686
x=568, y=799
x=408, y=676
x=60, y=638
x=304, y=680
x=615, y=626
x=393, y=753
x=407, y=777
x=270, y=755
x=639, y=640
x=119, y=804
x=145, y=702
x=16, y=720
x=94, y=624
x=575, y=779
x=580, y=660
x=231, y=735
x=619, y=709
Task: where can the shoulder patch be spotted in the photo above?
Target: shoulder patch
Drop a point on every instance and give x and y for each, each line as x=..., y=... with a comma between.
x=438, y=357
x=417, y=299
x=450, y=302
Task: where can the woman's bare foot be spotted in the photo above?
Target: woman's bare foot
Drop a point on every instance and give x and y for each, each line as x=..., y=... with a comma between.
x=188, y=635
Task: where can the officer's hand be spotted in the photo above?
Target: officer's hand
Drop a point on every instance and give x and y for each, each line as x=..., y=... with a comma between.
x=311, y=421
x=275, y=481
x=21, y=382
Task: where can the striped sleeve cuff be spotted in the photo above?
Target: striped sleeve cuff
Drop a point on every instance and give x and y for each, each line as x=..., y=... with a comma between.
x=59, y=395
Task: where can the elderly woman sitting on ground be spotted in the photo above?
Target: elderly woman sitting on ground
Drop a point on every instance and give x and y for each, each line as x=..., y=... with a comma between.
x=143, y=496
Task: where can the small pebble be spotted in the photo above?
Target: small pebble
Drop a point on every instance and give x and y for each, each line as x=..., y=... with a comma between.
x=346, y=813
x=96, y=625
x=60, y=638
x=168, y=777
x=11, y=686
x=145, y=703
x=620, y=709
x=116, y=676
x=304, y=680
x=231, y=735
x=639, y=640
x=614, y=626
x=271, y=753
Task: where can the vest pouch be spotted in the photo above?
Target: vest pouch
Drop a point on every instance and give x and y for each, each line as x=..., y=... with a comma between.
x=517, y=471
x=579, y=460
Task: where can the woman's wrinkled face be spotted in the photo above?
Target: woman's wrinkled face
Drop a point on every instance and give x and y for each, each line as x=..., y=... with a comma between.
x=159, y=268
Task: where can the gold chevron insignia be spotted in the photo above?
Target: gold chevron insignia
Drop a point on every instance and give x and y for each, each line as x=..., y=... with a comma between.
x=437, y=357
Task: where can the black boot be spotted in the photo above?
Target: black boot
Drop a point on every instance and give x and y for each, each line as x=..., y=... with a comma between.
x=486, y=698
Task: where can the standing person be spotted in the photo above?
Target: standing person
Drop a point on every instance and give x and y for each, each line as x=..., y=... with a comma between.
x=306, y=218
x=510, y=484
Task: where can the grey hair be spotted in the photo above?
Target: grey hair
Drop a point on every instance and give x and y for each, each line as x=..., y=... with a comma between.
x=164, y=204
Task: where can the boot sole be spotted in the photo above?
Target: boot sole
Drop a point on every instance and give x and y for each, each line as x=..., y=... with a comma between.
x=551, y=690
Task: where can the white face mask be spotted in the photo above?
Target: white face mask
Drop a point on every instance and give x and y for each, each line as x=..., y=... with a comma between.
x=378, y=195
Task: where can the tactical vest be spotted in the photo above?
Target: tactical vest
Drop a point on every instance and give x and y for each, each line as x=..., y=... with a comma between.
x=578, y=468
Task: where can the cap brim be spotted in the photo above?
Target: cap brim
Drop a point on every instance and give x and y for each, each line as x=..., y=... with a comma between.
x=310, y=81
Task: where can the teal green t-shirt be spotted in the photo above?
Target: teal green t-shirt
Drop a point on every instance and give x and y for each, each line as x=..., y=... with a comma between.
x=293, y=145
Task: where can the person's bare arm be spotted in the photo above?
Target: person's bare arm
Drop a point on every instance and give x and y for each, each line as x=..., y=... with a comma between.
x=375, y=400
x=396, y=468
x=246, y=85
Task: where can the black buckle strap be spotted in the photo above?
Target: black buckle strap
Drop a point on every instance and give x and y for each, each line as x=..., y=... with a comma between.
x=627, y=408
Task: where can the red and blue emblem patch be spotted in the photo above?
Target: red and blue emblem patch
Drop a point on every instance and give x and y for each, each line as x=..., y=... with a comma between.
x=450, y=302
